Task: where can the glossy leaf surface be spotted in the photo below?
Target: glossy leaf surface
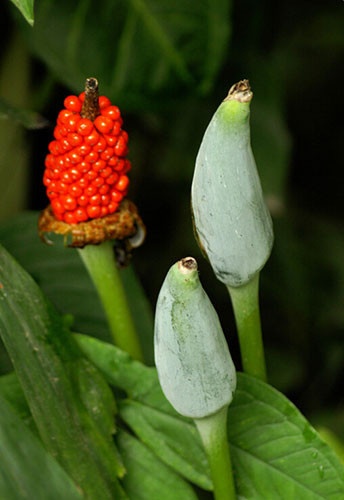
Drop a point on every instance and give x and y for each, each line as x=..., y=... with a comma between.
x=276, y=453
x=49, y=365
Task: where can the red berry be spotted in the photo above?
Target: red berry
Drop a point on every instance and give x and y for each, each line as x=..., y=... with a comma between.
x=57, y=206
x=121, y=146
x=112, y=112
x=116, y=196
x=116, y=128
x=111, y=139
x=70, y=218
x=98, y=182
x=63, y=116
x=92, y=157
x=81, y=214
x=95, y=199
x=92, y=138
x=122, y=183
x=75, y=190
x=72, y=122
x=106, y=172
x=103, y=124
x=107, y=154
x=74, y=139
x=112, y=206
x=83, y=200
x=85, y=126
x=104, y=189
x=99, y=165
x=69, y=202
x=93, y=211
x=112, y=178
x=104, y=102
x=73, y=103
x=101, y=145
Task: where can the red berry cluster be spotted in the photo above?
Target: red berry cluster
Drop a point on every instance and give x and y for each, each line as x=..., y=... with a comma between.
x=86, y=168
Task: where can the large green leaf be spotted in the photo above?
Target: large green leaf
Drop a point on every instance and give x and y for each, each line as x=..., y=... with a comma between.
x=276, y=453
x=48, y=365
x=173, y=440
x=141, y=483
x=137, y=48
x=27, y=471
x=63, y=278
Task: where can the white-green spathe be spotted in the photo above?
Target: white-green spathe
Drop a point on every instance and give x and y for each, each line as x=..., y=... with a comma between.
x=231, y=219
x=195, y=368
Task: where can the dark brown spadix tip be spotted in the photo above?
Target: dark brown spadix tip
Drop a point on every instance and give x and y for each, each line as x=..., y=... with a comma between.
x=187, y=265
x=240, y=91
x=90, y=107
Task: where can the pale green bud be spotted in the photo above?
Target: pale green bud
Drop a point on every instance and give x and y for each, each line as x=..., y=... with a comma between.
x=195, y=368
x=232, y=222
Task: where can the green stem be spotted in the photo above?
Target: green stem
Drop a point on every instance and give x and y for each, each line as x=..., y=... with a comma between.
x=100, y=263
x=245, y=301
x=213, y=432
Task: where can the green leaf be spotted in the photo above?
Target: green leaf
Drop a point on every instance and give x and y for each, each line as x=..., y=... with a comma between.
x=137, y=49
x=11, y=390
x=147, y=477
x=275, y=451
x=96, y=395
x=120, y=370
x=26, y=8
x=14, y=148
x=27, y=471
x=59, y=272
x=175, y=442
x=63, y=278
x=173, y=438
x=29, y=119
x=44, y=355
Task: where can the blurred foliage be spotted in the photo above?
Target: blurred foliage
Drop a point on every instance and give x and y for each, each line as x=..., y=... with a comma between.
x=168, y=64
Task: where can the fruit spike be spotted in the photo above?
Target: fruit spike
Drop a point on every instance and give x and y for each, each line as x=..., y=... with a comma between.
x=85, y=175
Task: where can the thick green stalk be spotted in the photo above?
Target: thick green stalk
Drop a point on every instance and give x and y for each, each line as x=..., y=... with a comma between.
x=100, y=263
x=245, y=301
x=213, y=432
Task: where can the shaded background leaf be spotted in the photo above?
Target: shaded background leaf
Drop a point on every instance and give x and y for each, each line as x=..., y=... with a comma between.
x=26, y=8
x=154, y=46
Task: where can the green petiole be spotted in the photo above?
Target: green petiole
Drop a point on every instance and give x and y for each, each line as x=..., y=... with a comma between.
x=245, y=301
x=213, y=432
x=100, y=263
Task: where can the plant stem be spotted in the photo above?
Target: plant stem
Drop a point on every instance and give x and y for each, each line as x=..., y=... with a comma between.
x=213, y=432
x=100, y=263
x=245, y=301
